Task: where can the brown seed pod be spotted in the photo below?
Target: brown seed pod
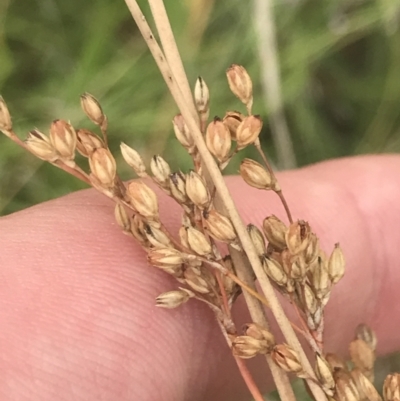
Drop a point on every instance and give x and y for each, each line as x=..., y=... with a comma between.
x=218, y=140
x=63, y=138
x=255, y=175
x=133, y=159
x=248, y=131
x=240, y=84
x=143, y=199
x=92, y=108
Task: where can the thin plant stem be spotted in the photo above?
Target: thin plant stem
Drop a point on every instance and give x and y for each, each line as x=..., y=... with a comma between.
x=220, y=184
x=247, y=377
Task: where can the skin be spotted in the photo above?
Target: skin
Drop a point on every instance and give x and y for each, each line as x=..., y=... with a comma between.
x=77, y=313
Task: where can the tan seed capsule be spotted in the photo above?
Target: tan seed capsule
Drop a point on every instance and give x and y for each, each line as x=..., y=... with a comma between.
x=297, y=237
x=122, y=218
x=137, y=230
x=362, y=355
x=63, y=138
x=240, y=84
x=320, y=279
x=165, y=258
x=173, y=299
x=310, y=302
x=312, y=251
x=275, y=230
x=257, y=239
x=365, y=333
x=255, y=175
x=248, y=347
x=197, y=191
x=133, y=159
x=5, y=118
x=143, y=199
x=336, y=264
x=232, y=119
x=198, y=242
x=219, y=226
x=248, y=131
x=324, y=375
x=103, y=167
x=346, y=389
x=182, y=132
x=365, y=388
x=156, y=237
x=160, y=169
x=39, y=144
x=177, y=186
x=391, y=387
x=335, y=362
x=259, y=333
x=92, y=108
x=87, y=142
x=196, y=281
x=218, y=140
x=275, y=271
x=287, y=359
x=201, y=96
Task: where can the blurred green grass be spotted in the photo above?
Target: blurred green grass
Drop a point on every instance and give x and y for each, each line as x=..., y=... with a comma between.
x=339, y=61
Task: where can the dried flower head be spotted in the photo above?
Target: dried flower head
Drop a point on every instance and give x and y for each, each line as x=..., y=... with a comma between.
x=40, y=145
x=122, y=218
x=143, y=199
x=324, y=375
x=92, y=108
x=257, y=238
x=255, y=175
x=287, y=359
x=240, y=84
x=275, y=231
x=219, y=226
x=133, y=159
x=197, y=190
x=63, y=138
x=248, y=347
x=173, y=299
x=218, y=139
x=336, y=264
x=103, y=167
x=232, y=119
x=248, y=131
x=259, y=333
x=182, y=132
x=202, y=96
x=197, y=242
x=362, y=355
x=87, y=142
x=168, y=259
x=161, y=170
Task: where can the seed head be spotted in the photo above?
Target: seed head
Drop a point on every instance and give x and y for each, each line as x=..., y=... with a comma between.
x=63, y=138
x=133, y=159
x=240, y=84
x=335, y=362
x=365, y=388
x=196, y=280
x=298, y=236
x=202, y=96
x=39, y=144
x=197, y=191
x=182, y=132
x=248, y=347
x=5, y=118
x=198, y=242
x=287, y=359
x=257, y=239
x=92, y=108
x=336, y=264
x=219, y=226
x=320, y=279
x=143, y=199
x=310, y=301
x=275, y=230
x=346, y=389
x=160, y=169
x=87, y=142
x=362, y=355
x=255, y=175
x=248, y=131
x=166, y=258
x=103, y=167
x=218, y=140
x=122, y=218
x=177, y=186
x=274, y=270
x=156, y=237
x=259, y=333
x=324, y=374
x=391, y=387
x=173, y=299
x=232, y=119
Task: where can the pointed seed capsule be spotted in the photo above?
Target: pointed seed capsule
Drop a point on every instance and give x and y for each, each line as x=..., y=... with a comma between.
x=232, y=119
x=257, y=239
x=133, y=159
x=324, y=374
x=275, y=230
x=274, y=271
x=173, y=299
x=198, y=242
x=63, y=138
x=248, y=347
x=143, y=199
x=160, y=169
x=286, y=358
x=218, y=140
x=39, y=144
x=182, y=132
x=240, y=84
x=92, y=108
x=197, y=191
x=248, y=131
x=103, y=167
x=201, y=96
x=87, y=142
x=336, y=264
x=122, y=218
x=255, y=175
x=219, y=226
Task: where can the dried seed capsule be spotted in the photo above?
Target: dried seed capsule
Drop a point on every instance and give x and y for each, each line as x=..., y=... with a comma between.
x=196, y=281
x=197, y=191
x=255, y=175
x=182, y=132
x=198, y=242
x=257, y=239
x=297, y=237
x=346, y=389
x=324, y=374
x=275, y=230
x=122, y=218
x=312, y=251
x=63, y=138
x=275, y=271
x=248, y=131
x=248, y=347
x=310, y=302
x=219, y=226
x=365, y=333
x=137, y=230
x=294, y=265
x=92, y=108
x=232, y=119
x=287, y=359
x=156, y=237
x=166, y=258
x=160, y=169
x=143, y=199
x=240, y=84
x=391, y=387
x=201, y=96
x=335, y=362
x=5, y=118
x=362, y=355
x=336, y=264
x=133, y=159
x=87, y=142
x=365, y=388
x=320, y=279
x=259, y=333
x=103, y=167
x=218, y=140
x=39, y=144
x=177, y=186
x=173, y=299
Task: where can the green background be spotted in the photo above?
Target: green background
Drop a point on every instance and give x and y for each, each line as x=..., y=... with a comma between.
x=339, y=62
